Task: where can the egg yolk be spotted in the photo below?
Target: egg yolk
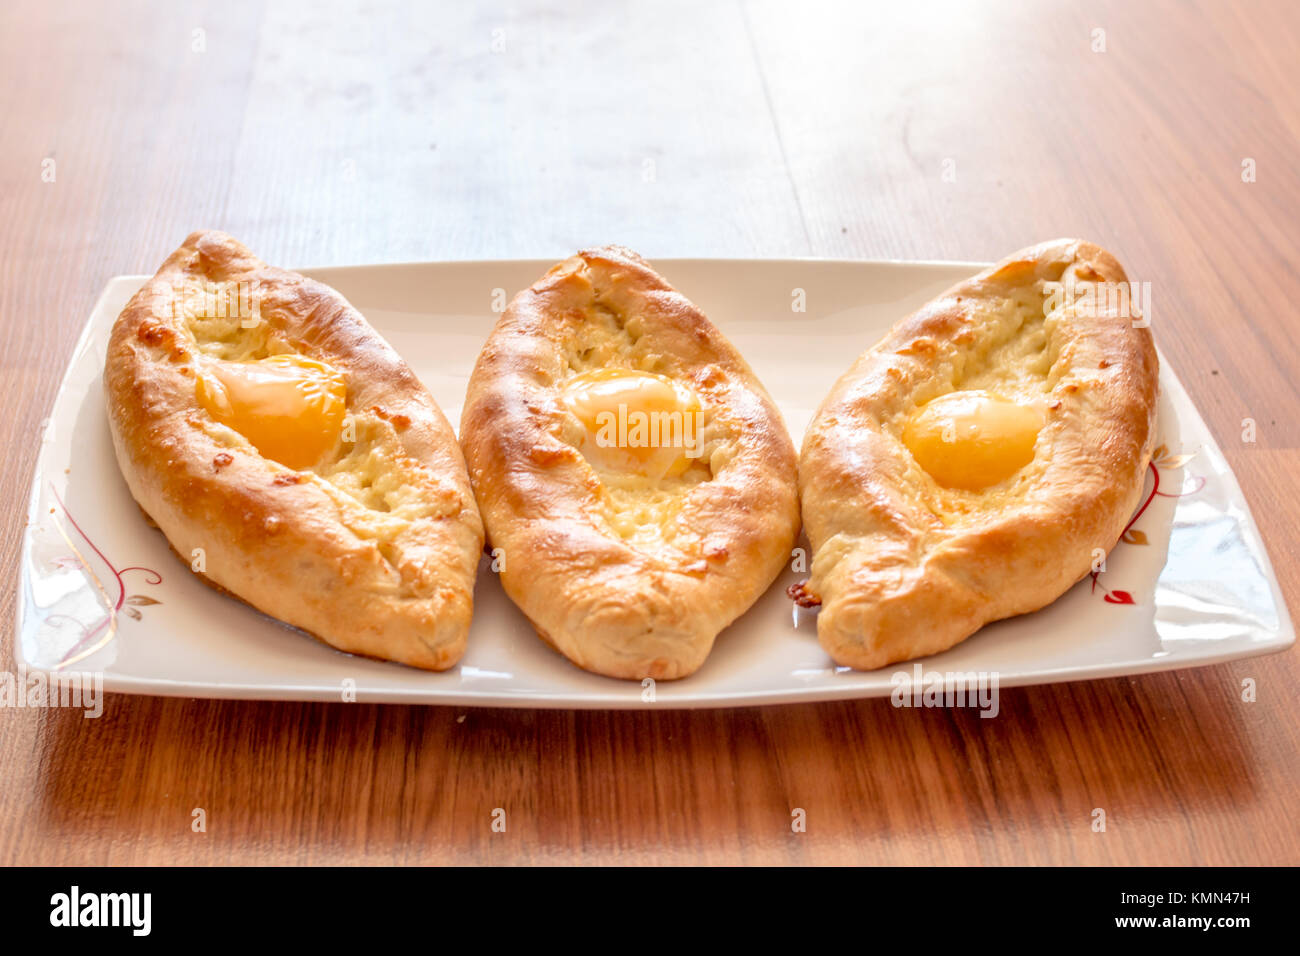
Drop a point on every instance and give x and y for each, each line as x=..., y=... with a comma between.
x=290, y=407
x=972, y=439
x=638, y=423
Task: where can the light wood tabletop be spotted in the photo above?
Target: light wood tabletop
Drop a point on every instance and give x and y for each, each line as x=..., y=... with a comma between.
x=327, y=134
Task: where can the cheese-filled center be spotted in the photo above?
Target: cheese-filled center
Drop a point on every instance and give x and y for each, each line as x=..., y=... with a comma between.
x=972, y=439
x=290, y=407
x=638, y=423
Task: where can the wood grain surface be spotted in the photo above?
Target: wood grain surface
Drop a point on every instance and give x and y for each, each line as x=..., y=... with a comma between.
x=323, y=134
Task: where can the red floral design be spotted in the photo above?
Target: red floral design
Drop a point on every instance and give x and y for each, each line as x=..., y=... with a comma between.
x=1160, y=458
x=96, y=633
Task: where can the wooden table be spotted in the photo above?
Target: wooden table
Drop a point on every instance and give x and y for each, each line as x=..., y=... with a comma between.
x=954, y=130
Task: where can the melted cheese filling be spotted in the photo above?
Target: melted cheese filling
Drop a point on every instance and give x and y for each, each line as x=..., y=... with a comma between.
x=646, y=464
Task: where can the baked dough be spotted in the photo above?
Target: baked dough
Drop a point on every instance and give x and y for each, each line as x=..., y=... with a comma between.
x=370, y=538
x=628, y=567
x=904, y=565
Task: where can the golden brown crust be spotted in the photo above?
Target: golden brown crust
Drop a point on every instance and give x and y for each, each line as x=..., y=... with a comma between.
x=374, y=549
x=904, y=568
x=615, y=603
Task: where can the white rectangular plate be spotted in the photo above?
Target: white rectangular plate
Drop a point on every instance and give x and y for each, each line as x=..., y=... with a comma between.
x=1193, y=586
